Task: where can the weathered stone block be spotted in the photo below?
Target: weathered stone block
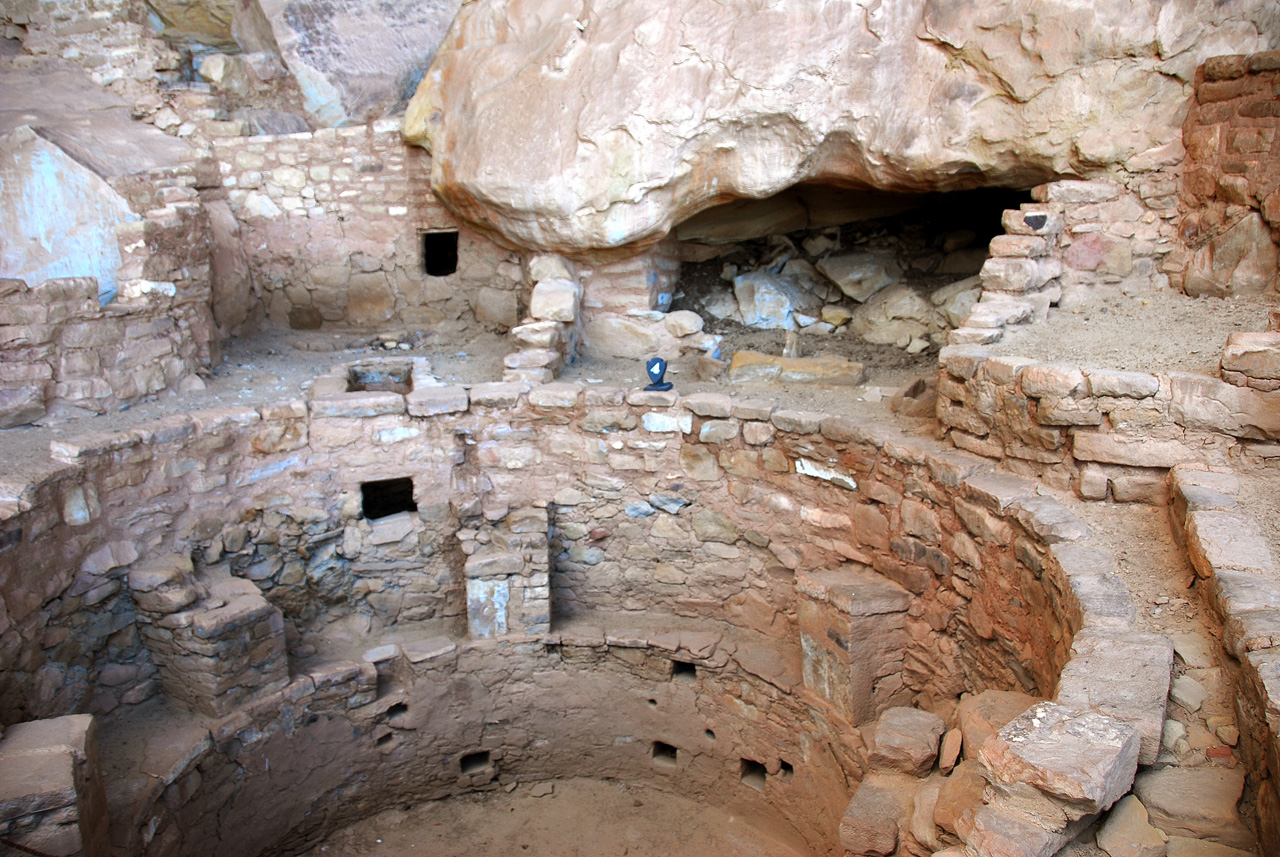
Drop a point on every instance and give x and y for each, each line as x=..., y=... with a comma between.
x=1083, y=759
x=1124, y=674
x=905, y=740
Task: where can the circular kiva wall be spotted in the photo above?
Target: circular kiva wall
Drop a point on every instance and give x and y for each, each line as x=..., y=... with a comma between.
x=706, y=595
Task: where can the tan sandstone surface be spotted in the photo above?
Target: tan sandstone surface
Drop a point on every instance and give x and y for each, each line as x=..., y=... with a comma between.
x=578, y=129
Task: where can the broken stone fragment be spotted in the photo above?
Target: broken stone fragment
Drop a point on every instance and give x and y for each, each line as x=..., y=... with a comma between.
x=880, y=810
x=1083, y=759
x=905, y=740
x=1198, y=803
x=1127, y=832
x=982, y=715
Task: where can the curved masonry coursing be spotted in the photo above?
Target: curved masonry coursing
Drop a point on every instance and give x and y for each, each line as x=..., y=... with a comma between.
x=772, y=527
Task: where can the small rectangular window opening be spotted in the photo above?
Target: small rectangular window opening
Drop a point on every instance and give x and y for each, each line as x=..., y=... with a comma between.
x=786, y=770
x=380, y=379
x=473, y=762
x=685, y=672
x=440, y=253
x=753, y=773
x=385, y=497
x=664, y=754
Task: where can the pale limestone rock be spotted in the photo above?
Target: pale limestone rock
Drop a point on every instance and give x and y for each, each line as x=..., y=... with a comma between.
x=860, y=275
x=1256, y=355
x=555, y=300
x=1085, y=760
x=1128, y=833
x=892, y=314
x=683, y=323
x=1124, y=674
x=905, y=740
x=622, y=337
x=770, y=301
x=669, y=109
x=1199, y=803
x=1188, y=693
x=350, y=58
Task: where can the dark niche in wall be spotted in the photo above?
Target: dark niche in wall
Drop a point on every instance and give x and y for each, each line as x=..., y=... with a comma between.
x=384, y=497
x=439, y=253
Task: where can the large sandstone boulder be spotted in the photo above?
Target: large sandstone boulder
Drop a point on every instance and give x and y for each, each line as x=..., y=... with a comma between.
x=587, y=131
x=351, y=58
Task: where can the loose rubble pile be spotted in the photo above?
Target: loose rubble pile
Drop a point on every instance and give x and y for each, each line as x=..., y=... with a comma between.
x=889, y=282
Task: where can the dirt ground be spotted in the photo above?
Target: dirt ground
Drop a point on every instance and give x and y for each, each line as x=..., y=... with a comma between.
x=1152, y=331
x=578, y=818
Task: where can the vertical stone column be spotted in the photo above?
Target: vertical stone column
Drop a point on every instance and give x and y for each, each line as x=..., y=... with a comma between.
x=508, y=575
x=853, y=638
x=51, y=791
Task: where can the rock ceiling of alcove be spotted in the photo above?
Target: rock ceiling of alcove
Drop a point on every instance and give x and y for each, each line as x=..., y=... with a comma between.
x=574, y=127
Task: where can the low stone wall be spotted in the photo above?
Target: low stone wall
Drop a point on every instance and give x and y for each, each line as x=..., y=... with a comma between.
x=1099, y=430
x=1229, y=193
x=62, y=354
x=1241, y=580
x=328, y=231
x=1078, y=235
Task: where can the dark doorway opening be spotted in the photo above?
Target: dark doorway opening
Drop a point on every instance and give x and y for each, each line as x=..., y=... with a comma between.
x=385, y=497
x=440, y=253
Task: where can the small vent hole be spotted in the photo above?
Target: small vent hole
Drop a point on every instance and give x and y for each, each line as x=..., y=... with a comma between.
x=753, y=773
x=685, y=672
x=664, y=754
x=473, y=762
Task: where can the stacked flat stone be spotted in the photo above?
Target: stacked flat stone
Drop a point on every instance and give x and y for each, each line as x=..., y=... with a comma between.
x=508, y=575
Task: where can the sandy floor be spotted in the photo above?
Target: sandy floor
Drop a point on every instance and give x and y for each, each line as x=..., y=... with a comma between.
x=1154, y=331
x=579, y=818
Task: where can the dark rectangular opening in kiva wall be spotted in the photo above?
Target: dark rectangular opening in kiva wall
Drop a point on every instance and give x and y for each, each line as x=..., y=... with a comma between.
x=753, y=773
x=440, y=253
x=384, y=497
x=473, y=762
x=664, y=754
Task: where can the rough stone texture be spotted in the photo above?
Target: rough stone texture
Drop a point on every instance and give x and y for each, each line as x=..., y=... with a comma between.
x=879, y=815
x=52, y=795
x=982, y=715
x=961, y=793
x=905, y=740
x=351, y=60
x=650, y=161
x=1128, y=833
x=1124, y=674
x=1199, y=803
x=349, y=197
x=1083, y=759
x=1229, y=188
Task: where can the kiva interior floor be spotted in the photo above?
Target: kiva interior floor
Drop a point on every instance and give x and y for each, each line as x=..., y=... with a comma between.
x=578, y=818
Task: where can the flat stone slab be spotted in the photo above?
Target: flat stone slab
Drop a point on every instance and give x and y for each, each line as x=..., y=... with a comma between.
x=1222, y=540
x=1124, y=674
x=880, y=806
x=1084, y=759
x=1199, y=803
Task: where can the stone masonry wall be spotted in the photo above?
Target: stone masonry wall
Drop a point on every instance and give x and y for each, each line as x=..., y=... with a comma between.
x=329, y=226
x=691, y=512
x=755, y=508
x=1077, y=235
x=1098, y=430
x=64, y=354
x=1229, y=196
